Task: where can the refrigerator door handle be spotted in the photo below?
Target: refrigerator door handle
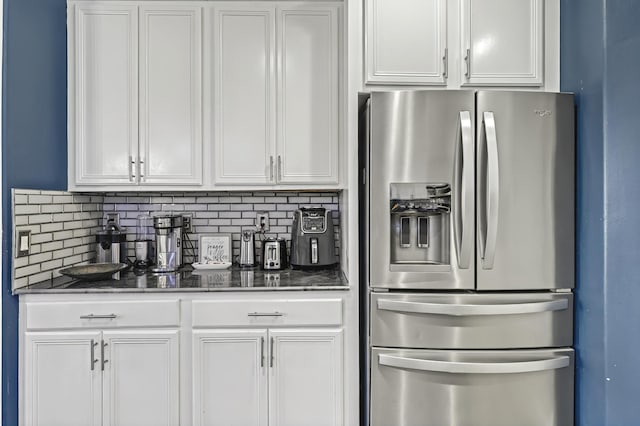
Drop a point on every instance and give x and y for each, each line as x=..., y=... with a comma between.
x=464, y=186
x=470, y=310
x=473, y=367
x=493, y=190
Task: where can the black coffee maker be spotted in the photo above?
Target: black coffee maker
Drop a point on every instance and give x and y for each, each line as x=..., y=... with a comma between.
x=312, y=239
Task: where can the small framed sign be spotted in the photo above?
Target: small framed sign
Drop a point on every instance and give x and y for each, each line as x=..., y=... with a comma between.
x=214, y=249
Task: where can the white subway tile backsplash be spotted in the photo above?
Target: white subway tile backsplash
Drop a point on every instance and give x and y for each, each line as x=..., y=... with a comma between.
x=63, y=225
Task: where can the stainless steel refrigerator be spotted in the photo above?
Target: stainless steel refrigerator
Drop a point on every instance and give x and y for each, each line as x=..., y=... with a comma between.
x=467, y=206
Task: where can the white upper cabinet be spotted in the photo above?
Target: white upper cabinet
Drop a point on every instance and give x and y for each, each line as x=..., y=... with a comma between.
x=103, y=93
x=308, y=90
x=244, y=93
x=170, y=149
x=502, y=42
x=135, y=113
x=276, y=102
x=406, y=41
x=462, y=42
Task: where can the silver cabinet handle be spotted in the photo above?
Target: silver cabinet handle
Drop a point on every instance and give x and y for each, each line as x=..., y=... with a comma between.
x=279, y=168
x=464, y=213
x=132, y=164
x=271, y=353
x=141, y=169
x=93, y=354
x=99, y=316
x=445, y=63
x=469, y=310
x=104, y=361
x=467, y=61
x=493, y=191
x=262, y=352
x=474, y=367
x=271, y=167
x=265, y=314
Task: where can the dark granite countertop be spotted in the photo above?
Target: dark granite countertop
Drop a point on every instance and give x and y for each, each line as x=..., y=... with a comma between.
x=187, y=279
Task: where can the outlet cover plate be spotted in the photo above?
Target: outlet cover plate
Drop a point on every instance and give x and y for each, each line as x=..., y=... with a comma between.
x=262, y=221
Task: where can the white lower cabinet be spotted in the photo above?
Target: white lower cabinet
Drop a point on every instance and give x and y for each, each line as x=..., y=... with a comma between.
x=62, y=383
x=123, y=378
x=275, y=377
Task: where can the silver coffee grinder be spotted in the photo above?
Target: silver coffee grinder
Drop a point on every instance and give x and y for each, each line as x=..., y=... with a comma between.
x=144, y=242
x=168, y=232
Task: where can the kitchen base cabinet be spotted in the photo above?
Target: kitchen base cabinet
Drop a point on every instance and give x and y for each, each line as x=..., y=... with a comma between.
x=111, y=378
x=140, y=380
x=302, y=370
x=229, y=380
x=62, y=383
x=305, y=381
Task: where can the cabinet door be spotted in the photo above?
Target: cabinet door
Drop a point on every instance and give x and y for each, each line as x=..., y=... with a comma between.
x=502, y=42
x=308, y=94
x=62, y=379
x=229, y=378
x=306, y=382
x=141, y=378
x=170, y=95
x=406, y=41
x=244, y=85
x=103, y=93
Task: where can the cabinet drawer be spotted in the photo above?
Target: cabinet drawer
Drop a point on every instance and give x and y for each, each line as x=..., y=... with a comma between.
x=160, y=313
x=233, y=313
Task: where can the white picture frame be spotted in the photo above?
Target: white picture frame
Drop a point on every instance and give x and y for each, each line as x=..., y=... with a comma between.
x=214, y=249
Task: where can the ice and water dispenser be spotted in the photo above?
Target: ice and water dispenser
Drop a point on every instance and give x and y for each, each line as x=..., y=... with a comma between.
x=420, y=219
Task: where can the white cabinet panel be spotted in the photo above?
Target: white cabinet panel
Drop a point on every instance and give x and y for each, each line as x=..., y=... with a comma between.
x=229, y=377
x=105, y=107
x=308, y=87
x=306, y=383
x=141, y=378
x=61, y=383
x=170, y=95
x=244, y=50
x=502, y=42
x=406, y=41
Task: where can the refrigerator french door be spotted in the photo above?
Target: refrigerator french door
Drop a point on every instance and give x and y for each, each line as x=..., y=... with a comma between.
x=469, y=257
x=434, y=154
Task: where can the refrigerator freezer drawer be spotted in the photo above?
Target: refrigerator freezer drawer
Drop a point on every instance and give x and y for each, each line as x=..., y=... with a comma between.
x=472, y=321
x=471, y=388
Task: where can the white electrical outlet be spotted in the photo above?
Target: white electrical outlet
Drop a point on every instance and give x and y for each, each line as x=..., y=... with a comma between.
x=262, y=221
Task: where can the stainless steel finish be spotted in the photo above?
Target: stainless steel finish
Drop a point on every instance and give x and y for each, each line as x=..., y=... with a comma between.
x=265, y=314
x=103, y=345
x=247, y=249
x=271, y=167
x=472, y=388
x=141, y=169
x=471, y=321
x=493, y=190
x=534, y=246
x=314, y=251
x=132, y=164
x=415, y=138
x=168, y=238
x=463, y=225
x=445, y=63
x=262, y=352
x=93, y=360
x=454, y=367
x=279, y=168
x=467, y=63
x=98, y=316
x=271, y=352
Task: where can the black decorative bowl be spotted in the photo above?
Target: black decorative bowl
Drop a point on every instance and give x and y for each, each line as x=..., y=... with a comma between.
x=94, y=271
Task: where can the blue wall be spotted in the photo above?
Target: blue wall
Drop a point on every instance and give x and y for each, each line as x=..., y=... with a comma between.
x=34, y=140
x=600, y=61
